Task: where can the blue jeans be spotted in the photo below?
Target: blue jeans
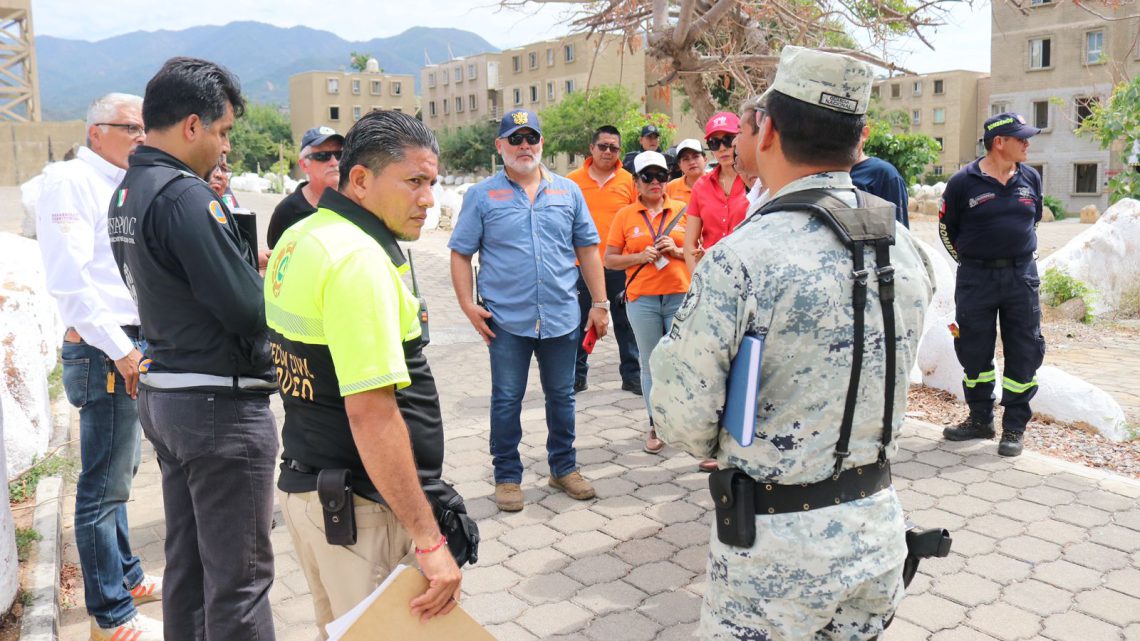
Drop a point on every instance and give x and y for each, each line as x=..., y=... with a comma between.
x=627, y=345
x=510, y=364
x=217, y=454
x=109, y=455
x=651, y=318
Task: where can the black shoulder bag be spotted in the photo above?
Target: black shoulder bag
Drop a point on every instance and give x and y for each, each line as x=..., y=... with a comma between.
x=665, y=232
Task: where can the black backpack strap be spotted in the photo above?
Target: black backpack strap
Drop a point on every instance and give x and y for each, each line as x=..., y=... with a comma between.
x=886, y=274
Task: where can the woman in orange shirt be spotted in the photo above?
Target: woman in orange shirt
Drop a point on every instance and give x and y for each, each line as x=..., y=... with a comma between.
x=641, y=242
x=691, y=162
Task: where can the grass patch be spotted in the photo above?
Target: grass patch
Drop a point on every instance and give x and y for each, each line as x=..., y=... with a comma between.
x=1055, y=205
x=23, y=487
x=26, y=537
x=1058, y=286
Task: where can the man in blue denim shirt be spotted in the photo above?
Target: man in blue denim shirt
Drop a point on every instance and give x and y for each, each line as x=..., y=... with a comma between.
x=529, y=226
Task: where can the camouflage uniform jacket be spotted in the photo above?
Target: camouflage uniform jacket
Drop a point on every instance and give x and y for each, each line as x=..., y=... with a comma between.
x=788, y=277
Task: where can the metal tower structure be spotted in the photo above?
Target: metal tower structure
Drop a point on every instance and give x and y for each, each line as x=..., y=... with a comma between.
x=19, y=80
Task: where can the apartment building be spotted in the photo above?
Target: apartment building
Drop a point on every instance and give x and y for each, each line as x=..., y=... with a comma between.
x=1050, y=64
x=462, y=92
x=338, y=99
x=948, y=106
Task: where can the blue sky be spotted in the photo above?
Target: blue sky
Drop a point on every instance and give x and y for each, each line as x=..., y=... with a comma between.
x=964, y=43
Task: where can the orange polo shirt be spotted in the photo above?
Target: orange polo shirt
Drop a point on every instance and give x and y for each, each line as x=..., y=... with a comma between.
x=604, y=201
x=678, y=189
x=630, y=234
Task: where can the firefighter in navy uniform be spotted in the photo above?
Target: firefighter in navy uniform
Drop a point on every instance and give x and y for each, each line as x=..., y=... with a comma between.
x=988, y=223
x=207, y=373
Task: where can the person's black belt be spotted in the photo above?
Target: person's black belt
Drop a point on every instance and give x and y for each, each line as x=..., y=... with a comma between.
x=849, y=485
x=998, y=263
x=132, y=331
x=298, y=466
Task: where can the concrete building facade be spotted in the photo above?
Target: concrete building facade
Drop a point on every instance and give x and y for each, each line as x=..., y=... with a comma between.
x=947, y=106
x=338, y=99
x=1050, y=64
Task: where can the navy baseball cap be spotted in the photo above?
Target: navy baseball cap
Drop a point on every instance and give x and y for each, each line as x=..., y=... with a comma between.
x=519, y=119
x=650, y=130
x=318, y=135
x=1008, y=124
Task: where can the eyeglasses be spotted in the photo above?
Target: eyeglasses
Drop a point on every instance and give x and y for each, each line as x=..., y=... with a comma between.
x=760, y=114
x=613, y=149
x=517, y=138
x=723, y=141
x=650, y=177
x=132, y=129
x=324, y=156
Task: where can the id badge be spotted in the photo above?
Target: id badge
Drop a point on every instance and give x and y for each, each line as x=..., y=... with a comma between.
x=661, y=262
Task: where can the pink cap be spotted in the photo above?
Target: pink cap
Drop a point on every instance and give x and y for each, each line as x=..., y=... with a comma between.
x=722, y=122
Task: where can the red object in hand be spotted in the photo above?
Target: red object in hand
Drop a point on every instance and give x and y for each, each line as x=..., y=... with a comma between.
x=590, y=340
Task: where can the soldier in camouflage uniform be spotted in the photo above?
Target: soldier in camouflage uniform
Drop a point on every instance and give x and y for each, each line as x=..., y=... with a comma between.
x=833, y=572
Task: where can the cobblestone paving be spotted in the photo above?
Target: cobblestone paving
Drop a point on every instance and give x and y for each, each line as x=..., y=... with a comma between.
x=1042, y=549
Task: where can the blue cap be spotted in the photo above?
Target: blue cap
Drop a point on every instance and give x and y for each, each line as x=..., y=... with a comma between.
x=519, y=119
x=318, y=135
x=1008, y=124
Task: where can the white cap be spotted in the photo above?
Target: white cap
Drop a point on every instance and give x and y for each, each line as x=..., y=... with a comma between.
x=690, y=143
x=648, y=159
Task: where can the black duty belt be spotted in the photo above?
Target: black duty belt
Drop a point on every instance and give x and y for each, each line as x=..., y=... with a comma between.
x=998, y=263
x=849, y=485
x=298, y=466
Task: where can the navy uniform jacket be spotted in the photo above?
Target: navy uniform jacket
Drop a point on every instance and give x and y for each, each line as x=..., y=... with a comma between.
x=190, y=270
x=981, y=219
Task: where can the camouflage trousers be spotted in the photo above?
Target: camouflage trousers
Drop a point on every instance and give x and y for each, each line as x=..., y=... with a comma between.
x=858, y=613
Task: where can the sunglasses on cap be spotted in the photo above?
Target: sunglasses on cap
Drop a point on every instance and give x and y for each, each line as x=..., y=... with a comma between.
x=602, y=147
x=324, y=156
x=517, y=138
x=649, y=177
x=723, y=141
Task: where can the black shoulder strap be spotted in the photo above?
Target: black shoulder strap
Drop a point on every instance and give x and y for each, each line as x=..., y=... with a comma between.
x=665, y=232
x=871, y=223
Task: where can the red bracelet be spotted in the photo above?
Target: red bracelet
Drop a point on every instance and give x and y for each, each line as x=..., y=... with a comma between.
x=442, y=542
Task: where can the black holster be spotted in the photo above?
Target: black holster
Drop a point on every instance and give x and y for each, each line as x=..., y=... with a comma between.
x=335, y=494
x=923, y=544
x=733, y=494
x=451, y=513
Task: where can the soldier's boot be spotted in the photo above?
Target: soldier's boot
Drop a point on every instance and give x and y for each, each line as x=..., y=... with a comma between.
x=1010, y=444
x=968, y=429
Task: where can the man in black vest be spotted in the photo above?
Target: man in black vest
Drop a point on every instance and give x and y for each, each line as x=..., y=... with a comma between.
x=207, y=374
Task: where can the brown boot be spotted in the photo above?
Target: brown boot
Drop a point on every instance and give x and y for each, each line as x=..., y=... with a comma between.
x=509, y=497
x=574, y=485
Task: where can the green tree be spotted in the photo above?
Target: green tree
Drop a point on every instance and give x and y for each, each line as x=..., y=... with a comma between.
x=568, y=126
x=257, y=137
x=909, y=153
x=1115, y=124
x=359, y=61
x=468, y=148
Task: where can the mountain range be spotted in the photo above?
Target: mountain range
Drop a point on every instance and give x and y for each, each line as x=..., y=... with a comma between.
x=75, y=72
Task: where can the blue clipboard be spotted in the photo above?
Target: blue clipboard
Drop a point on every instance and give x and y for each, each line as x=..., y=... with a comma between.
x=743, y=399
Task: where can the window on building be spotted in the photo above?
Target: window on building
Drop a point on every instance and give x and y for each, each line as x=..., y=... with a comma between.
x=940, y=145
x=939, y=87
x=896, y=90
x=518, y=96
x=918, y=87
x=516, y=63
x=999, y=108
x=936, y=170
x=569, y=86
x=568, y=52
x=916, y=117
x=375, y=88
x=446, y=106
x=356, y=113
x=1038, y=3
x=1084, y=178
x=532, y=60
x=471, y=72
x=550, y=91
x=397, y=88
x=355, y=87
x=334, y=113
x=550, y=56
x=471, y=104
x=431, y=108
x=333, y=85
x=1040, y=53
x=534, y=93
x=459, y=104
x=939, y=115
x=446, y=76
x=431, y=79
x=1094, y=47
x=1084, y=107
x=875, y=92
x=1041, y=114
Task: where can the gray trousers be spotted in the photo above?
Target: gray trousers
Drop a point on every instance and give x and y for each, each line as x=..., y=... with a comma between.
x=217, y=454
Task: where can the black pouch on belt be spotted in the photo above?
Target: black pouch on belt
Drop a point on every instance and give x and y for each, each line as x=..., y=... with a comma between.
x=733, y=494
x=335, y=493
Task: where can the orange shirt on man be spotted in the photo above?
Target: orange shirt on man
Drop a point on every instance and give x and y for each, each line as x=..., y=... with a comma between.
x=631, y=235
x=604, y=200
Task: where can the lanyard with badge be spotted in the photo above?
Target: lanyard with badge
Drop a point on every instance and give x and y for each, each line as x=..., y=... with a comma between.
x=662, y=260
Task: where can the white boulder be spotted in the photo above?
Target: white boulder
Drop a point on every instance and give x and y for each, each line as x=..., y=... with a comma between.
x=1104, y=256
x=937, y=361
x=1068, y=399
x=9, y=564
x=30, y=330
x=250, y=181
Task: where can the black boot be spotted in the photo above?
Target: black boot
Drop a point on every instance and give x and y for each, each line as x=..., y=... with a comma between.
x=969, y=429
x=1010, y=444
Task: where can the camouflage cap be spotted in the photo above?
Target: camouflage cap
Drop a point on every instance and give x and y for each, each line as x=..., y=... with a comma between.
x=829, y=80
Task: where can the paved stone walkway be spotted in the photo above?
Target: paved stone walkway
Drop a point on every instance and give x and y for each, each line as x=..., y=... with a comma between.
x=1043, y=549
